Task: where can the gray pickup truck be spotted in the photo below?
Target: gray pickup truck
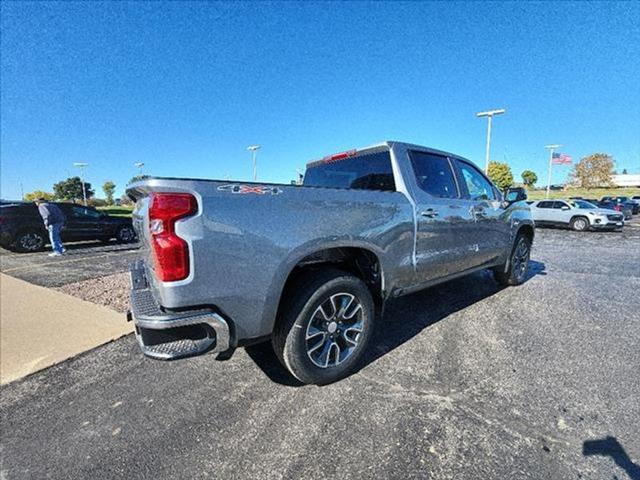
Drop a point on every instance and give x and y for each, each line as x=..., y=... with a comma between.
x=228, y=264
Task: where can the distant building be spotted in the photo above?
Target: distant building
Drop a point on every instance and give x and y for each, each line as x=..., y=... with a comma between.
x=626, y=180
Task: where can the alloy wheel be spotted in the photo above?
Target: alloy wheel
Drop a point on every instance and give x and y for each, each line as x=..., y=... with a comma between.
x=521, y=259
x=334, y=330
x=126, y=234
x=31, y=242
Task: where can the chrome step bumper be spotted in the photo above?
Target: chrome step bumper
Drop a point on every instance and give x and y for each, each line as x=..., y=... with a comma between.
x=167, y=335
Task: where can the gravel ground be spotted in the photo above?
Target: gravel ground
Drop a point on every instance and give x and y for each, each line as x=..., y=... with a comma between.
x=111, y=291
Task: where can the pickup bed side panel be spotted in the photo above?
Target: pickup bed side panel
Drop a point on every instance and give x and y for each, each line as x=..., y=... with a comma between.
x=243, y=245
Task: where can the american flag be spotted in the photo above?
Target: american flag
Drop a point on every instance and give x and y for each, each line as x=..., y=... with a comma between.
x=561, y=159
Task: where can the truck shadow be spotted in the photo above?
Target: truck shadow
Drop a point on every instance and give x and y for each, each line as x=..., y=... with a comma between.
x=610, y=447
x=404, y=318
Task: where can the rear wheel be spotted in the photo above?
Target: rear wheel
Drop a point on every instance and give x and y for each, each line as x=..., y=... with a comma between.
x=579, y=224
x=30, y=241
x=325, y=327
x=516, y=272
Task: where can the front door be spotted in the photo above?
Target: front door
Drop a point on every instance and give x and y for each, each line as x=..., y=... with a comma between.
x=82, y=222
x=493, y=228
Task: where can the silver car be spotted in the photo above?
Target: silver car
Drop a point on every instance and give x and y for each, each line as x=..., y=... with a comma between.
x=577, y=214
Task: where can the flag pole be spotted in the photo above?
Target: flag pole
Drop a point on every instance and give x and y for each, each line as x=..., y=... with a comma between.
x=551, y=149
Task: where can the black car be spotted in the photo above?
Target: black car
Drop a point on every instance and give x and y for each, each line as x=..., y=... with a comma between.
x=623, y=208
x=22, y=229
x=626, y=203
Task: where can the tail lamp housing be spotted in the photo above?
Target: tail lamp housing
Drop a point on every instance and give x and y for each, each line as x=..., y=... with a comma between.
x=170, y=252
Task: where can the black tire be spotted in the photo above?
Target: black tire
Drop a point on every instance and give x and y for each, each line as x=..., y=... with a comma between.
x=516, y=273
x=126, y=234
x=29, y=241
x=579, y=224
x=324, y=291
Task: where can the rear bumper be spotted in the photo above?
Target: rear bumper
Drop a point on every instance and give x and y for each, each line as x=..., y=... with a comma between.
x=165, y=335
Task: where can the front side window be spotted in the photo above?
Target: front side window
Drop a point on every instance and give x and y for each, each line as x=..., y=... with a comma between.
x=582, y=204
x=433, y=174
x=559, y=205
x=365, y=171
x=545, y=204
x=478, y=186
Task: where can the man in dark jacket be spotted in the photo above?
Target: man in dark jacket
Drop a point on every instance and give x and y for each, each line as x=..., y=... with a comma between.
x=53, y=220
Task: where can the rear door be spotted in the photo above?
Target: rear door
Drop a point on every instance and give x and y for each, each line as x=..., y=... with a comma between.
x=445, y=240
x=492, y=233
x=542, y=211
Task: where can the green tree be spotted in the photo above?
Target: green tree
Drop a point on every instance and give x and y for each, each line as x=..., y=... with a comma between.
x=137, y=178
x=529, y=178
x=500, y=174
x=71, y=189
x=109, y=189
x=36, y=194
x=594, y=170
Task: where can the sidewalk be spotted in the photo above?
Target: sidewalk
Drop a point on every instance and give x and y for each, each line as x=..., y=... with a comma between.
x=41, y=327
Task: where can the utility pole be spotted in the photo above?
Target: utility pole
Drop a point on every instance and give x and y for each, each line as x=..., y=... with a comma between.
x=551, y=148
x=254, y=149
x=489, y=114
x=81, y=166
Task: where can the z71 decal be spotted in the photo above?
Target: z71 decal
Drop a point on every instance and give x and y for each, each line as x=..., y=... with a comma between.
x=244, y=189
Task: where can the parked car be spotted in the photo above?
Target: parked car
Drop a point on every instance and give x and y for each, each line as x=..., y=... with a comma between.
x=227, y=264
x=623, y=208
x=22, y=229
x=578, y=215
x=626, y=202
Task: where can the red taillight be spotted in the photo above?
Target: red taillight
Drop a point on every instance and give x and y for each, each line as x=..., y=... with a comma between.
x=171, y=253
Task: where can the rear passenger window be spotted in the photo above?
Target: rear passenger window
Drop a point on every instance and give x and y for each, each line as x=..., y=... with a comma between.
x=434, y=175
x=545, y=205
x=368, y=171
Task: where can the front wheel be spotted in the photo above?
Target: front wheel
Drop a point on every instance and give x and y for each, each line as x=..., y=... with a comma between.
x=126, y=234
x=579, y=224
x=325, y=327
x=516, y=272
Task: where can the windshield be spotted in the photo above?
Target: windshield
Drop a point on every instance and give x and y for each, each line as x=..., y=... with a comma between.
x=581, y=204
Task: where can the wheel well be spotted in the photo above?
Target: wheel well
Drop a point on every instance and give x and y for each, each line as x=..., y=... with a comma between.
x=527, y=230
x=360, y=262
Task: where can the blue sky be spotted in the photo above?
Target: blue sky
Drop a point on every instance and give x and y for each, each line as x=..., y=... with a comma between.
x=185, y=87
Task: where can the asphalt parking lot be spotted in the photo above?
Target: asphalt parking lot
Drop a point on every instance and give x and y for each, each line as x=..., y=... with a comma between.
x=83, y=261
x=466, y=380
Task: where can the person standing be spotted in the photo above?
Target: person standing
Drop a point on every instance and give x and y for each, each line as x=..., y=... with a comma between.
x=53, y=219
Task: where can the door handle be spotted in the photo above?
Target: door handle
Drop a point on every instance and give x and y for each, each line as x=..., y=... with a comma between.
x=429, y=213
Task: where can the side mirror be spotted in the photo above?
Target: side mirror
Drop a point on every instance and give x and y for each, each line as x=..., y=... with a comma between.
x=515, y=194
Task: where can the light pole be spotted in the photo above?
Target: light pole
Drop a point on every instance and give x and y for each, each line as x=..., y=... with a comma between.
x=489, y=114
x=551, y=148
x=139, y=165
x=254, y=149
x=81, y=166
